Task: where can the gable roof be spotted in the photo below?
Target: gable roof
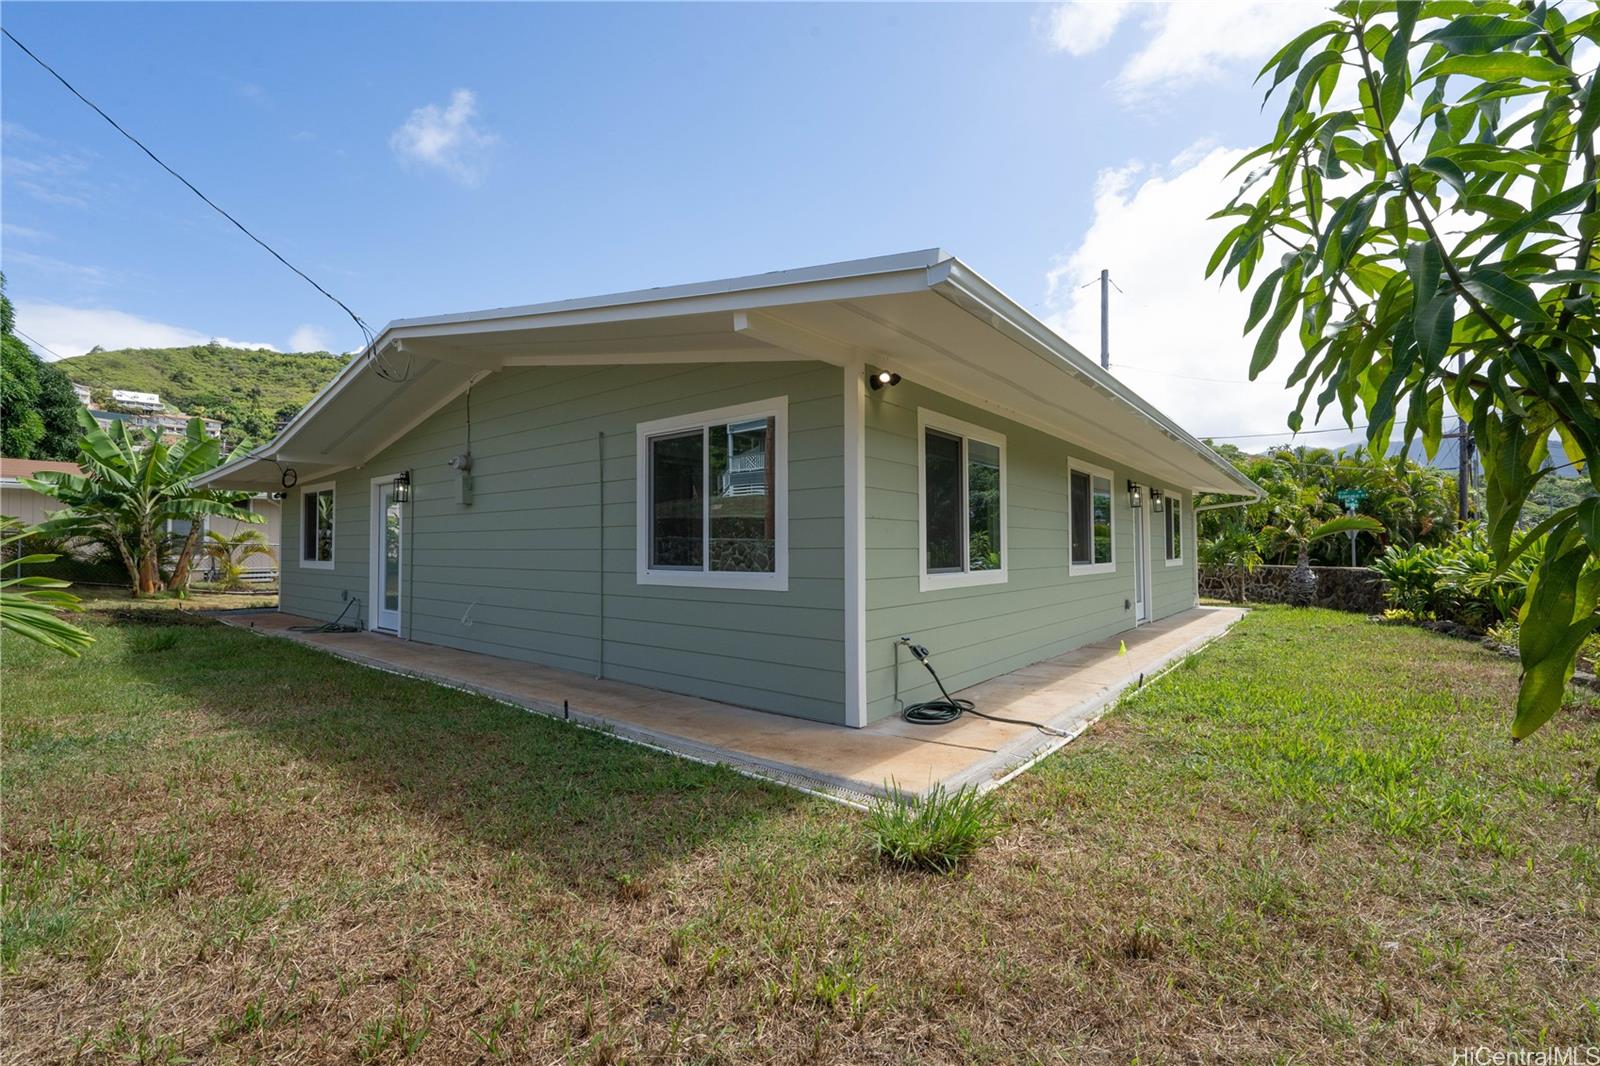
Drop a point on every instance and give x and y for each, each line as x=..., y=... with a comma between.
x=923, y=314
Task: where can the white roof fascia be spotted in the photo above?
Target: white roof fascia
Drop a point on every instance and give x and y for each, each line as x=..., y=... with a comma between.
x=844, y=280
x=849, y=270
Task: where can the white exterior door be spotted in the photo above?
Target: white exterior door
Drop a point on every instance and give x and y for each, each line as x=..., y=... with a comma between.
x=388, y=537
x=1141, y=565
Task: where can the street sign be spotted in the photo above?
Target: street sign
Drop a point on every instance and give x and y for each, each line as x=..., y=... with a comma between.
x=1351, y=498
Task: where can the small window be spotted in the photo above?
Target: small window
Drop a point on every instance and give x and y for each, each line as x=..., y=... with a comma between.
x=712, y=493
x=316, y=526
x=1173, y=516
x=1090, y=520
x=963, y=503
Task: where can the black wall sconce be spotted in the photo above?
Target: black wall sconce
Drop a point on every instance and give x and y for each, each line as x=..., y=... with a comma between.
x=1158, y=500
x=1134, y=499
x=879, y=379
x=402, y=487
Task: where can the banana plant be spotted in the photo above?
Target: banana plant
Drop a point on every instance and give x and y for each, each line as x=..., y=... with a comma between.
x=31, y=606
x=1425, y=217
x=133, y=485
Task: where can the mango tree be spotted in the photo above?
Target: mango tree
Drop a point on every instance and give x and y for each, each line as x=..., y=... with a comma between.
x=1425, y=220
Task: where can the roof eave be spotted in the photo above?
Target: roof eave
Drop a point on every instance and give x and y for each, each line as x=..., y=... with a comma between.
x=965, y=287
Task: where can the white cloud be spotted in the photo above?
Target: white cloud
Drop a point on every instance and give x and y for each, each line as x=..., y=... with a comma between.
x=1176, y=337
x=1079, y=27
x=310, y=339
x=88, y=275
x=23, y=233
x=447, y=138
x=69, y=331
x=1182, y=43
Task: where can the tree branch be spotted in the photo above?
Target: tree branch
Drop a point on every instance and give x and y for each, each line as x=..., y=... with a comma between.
x=1415, y=200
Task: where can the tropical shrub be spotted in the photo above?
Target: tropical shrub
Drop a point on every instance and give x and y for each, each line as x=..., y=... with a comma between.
x=1411, y=577
x=1459, y=580
x=1232, y=552
x=229, y=553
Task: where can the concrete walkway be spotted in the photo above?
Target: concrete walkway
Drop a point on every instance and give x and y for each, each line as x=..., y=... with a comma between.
x=1068, y=692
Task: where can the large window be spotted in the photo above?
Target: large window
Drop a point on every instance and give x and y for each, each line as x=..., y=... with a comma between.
x=1172, y=516
x=963, y=503
x=1090, y=520
x=713, y=498
x=316, y=526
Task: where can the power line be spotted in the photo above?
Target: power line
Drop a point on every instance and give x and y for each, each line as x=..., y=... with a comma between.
x=78, y=372
x=37, y=343
x=366, y=331
x=1280, y=433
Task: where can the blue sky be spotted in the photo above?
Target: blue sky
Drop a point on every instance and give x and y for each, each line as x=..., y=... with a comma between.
x=418, y=159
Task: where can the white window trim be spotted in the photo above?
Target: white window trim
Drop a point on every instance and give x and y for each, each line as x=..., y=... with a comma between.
x=1175, y=500
x=927, y=582
x=776, y=409
x=1080, y=569
x=317, y=564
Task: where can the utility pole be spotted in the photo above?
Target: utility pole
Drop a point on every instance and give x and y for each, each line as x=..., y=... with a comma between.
x=1105, y=319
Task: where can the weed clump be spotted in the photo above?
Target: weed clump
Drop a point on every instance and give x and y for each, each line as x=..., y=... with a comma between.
x=935, y=832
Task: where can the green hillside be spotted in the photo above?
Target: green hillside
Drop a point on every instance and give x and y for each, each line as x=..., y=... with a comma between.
x=248, y=389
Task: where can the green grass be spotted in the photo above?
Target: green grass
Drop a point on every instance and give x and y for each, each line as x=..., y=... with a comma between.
x=1310, y=842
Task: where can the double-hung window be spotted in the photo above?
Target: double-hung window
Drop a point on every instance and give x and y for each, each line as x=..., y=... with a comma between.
x=316, y=526
x=713, y=498
x=962, y=505
x=1172, y=518
x=1090, y=520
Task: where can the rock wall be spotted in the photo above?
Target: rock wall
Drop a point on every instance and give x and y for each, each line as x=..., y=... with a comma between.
x=1343, y=588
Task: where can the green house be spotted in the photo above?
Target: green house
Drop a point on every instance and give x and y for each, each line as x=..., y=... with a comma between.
x=744, y=490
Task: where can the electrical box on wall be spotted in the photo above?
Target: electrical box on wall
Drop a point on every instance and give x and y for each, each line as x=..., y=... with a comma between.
x=462, y=465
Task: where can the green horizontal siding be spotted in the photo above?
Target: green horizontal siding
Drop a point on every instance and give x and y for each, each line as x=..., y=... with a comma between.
x=520, y=574
x=1041, y=610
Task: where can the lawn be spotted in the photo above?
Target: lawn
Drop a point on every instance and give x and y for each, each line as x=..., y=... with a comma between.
x=1311, y=842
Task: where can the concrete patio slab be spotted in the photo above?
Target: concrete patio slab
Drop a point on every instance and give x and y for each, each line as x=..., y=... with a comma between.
x=1067, y=693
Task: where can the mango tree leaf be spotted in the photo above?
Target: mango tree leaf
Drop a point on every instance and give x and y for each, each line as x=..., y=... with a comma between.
x=1448, y=170
x=1505, y=294
x=1435, y=324
x=1496, y=66
x=1478, y=34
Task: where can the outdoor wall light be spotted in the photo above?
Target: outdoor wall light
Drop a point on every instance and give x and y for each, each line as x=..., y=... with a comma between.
x=1158, y=500
x=402, y=487
x=882, y=378
x=1134, y=499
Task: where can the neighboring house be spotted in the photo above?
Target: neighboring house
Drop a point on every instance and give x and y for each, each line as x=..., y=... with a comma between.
x=698, y=488
x=144, y=402
x=171, y=425
x=83, y=394
x=19, y=501
x=256, y=568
